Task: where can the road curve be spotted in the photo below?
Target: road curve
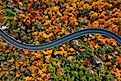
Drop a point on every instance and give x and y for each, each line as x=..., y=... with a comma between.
x=54, y=43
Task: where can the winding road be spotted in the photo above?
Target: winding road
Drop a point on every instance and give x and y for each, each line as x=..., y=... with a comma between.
x=64, y=39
